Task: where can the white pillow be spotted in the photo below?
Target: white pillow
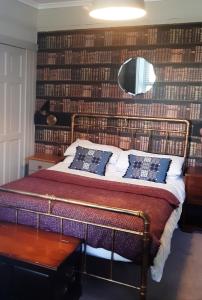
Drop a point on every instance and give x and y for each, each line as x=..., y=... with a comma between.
x=68, y=160
x=71, y=150
x=175, y=166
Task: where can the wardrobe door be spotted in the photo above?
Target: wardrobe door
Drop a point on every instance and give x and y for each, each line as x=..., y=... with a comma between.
x=12, y=112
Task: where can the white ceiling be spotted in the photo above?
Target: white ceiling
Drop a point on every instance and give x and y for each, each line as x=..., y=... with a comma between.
x=44, y=4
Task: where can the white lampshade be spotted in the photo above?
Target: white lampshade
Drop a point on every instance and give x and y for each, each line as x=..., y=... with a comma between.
x=117, y=9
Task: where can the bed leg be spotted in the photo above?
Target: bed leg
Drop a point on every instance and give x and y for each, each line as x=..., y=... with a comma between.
x=143, y=285
x=145, y=258
x=143, y=293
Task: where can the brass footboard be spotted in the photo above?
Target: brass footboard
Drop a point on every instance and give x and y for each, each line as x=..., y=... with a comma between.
x=142, y=288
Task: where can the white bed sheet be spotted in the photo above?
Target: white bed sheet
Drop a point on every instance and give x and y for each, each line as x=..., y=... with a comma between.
x=175, y=185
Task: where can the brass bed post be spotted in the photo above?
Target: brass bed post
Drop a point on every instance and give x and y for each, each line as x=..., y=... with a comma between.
x=61, y=226
x=72, y=127
x=186, y=138
x=37, y=221
x=16, y=216
x=150, y=145
x=145, y=257
x=85, y=248
x=112, y=254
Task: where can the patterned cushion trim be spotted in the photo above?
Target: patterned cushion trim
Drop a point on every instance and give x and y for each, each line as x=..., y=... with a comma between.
x=90, y=160
x=148, y=168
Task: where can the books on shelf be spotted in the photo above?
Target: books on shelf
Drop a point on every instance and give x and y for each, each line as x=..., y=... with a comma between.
x=190, y=110
x=92, y=57
x=192, y=92
x=77, y=73
x=146, y=35
x=53, y=135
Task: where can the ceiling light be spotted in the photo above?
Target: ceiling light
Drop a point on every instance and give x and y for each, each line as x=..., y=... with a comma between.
x=117, y=9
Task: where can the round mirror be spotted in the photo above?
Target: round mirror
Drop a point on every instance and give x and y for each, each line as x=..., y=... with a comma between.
x=136, y=76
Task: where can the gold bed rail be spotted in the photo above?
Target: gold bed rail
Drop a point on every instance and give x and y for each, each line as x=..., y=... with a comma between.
x=178, y=127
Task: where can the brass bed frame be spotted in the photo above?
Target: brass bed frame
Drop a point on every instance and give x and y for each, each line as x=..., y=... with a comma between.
x=123, y=128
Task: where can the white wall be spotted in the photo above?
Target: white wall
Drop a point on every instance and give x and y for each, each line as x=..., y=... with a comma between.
x=158, y=12
x=18, y=28
x=17, y=22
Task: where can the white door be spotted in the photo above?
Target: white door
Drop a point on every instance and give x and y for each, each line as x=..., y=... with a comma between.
x=12, y=112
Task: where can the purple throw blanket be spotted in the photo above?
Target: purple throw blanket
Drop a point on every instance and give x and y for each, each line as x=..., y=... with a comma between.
x=157, y=203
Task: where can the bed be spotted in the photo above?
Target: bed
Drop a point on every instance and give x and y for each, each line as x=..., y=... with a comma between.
x=101, y=194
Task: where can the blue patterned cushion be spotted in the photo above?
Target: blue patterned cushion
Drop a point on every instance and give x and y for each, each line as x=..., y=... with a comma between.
x=90, y=160
x=148, y=168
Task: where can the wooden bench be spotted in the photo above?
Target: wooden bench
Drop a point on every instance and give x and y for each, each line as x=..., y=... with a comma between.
x=36, y=264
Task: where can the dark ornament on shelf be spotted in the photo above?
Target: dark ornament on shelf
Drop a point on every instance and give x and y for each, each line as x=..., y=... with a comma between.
x=43, y=112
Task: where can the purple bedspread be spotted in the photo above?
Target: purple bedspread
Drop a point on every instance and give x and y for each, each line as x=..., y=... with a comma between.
x=157, y=203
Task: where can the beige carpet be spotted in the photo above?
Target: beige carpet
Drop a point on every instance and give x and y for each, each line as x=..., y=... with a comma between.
x=182, y=278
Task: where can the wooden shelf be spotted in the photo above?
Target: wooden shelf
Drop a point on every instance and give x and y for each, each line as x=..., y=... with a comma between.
x=111, y=64
x=111, y=47
x=125, y=100
x=179, y=83
x=56, y=127
x=72, y=66
x=74, y=81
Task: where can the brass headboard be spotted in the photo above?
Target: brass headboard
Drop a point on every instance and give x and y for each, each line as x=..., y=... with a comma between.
x=156, y=135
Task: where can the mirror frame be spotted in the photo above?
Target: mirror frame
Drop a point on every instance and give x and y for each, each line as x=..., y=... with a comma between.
x=134, y=77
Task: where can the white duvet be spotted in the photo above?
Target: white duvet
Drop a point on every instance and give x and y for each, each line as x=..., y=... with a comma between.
x=174, y=184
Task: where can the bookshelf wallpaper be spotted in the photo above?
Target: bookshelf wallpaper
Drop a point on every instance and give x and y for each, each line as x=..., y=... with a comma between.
x=77, y=73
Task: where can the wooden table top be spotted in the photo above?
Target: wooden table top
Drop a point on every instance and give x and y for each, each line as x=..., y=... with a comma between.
x=37, y=247
x=46, y=157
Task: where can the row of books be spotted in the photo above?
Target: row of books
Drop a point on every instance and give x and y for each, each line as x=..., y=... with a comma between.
x=82, y=74
x=52, y=135
x=108, y=90
x=195, y=149
x=158, y=145
x=130, y=126
x=165, y=92
x=181, y=35
x=60, y=149
x=144, y=36
x=81, y=90
x=119, y=126
x=176, y=73
x=166, y=73
x=167, y=55
x=173, y=92
x=139, y=142
x=98, y=39
x=193, y=162
x=50, y=149
x=155, y=55
x=190, y=111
